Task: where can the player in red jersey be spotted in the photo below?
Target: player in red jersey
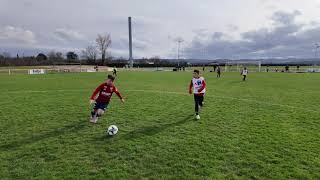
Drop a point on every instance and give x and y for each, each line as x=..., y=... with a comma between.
x=101, y=97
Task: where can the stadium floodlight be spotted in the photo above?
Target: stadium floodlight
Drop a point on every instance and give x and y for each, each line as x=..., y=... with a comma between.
x=179, y=41
x=316, y=50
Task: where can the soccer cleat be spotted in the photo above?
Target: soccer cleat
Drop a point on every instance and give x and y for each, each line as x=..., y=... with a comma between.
x=94, y=120
x=197, y=117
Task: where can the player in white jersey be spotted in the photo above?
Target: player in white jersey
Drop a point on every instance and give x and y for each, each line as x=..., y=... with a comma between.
x=198, y=87
x=244, y=73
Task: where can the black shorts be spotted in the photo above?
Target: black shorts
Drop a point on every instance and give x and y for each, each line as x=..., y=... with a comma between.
x=99, y=105
x=198, y=99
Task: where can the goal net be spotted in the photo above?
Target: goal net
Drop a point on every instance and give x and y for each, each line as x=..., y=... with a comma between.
x=237, y=66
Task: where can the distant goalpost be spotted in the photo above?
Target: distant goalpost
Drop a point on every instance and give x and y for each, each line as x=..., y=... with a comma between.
x=237, y=66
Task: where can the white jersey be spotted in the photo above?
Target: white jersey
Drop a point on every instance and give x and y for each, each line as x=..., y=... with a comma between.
x=198, y=84
x=245, y=72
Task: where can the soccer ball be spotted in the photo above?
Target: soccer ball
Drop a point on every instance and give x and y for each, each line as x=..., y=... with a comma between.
x=112, y=130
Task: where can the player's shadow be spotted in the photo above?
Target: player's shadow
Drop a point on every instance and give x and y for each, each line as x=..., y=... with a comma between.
x=42, y=136
x=153, y=130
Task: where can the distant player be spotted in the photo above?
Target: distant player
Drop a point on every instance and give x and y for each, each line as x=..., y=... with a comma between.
x=198, y=84
x=218, y=72
x=101, y=97
x=287, y=68
x=114, y=71
x=96, y=68
x=244, y=73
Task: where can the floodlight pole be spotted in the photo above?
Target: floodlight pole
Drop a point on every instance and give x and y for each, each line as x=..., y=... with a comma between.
x=179, y=49
x=130, y=42
x=316, y=50
x=179, y=41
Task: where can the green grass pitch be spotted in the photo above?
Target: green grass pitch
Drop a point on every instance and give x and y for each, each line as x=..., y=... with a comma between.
x=265, y=128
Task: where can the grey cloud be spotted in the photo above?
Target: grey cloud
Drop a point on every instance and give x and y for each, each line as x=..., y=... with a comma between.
x=231, y=27
x=27, y=4
x=68, y=35
x=16, y=34
x=286, y=39
x=284, y=17
x=217, y=35
x=140, y=44
x=79, y=21
x=201, y=32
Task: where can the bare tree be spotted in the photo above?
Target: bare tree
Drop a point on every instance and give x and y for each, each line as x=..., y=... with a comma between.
x=72, y=56
x=103, y=42
x=55, y=56
x=90, y=53
x=6, y=55
x=52, y=56
x=59, y=56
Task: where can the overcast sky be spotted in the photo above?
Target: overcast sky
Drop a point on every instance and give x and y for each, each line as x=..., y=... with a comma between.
x=210, y=28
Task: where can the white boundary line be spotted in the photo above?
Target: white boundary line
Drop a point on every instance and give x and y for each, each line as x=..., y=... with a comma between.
x=168, y=92
x=41, y=91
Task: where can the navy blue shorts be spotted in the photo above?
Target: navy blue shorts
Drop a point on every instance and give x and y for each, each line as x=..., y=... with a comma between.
x=102, y=106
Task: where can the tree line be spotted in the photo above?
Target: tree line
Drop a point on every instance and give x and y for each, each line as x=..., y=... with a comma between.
x=89, y=55
x=94, y=54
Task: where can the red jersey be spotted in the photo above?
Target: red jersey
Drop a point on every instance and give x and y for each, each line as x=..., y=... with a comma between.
x=105, y=93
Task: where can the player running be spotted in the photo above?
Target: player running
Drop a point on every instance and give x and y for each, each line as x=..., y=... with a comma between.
x=218, y=72
x=199, y=88
x=114, y=72
x=101, y=97
x=244, y=73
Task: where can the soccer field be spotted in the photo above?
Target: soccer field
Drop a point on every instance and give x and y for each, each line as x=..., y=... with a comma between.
x=265, y=128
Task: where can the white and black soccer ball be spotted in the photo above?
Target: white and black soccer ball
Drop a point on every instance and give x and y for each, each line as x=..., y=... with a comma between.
x=112, y=130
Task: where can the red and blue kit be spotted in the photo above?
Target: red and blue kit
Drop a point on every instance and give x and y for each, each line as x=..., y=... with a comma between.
x=102, y=95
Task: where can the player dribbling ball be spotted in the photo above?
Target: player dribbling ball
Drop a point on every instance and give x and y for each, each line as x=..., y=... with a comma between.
x=101, y=98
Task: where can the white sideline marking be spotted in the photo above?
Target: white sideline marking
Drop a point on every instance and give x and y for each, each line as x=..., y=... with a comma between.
x=167, y=92
x=42, y=91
